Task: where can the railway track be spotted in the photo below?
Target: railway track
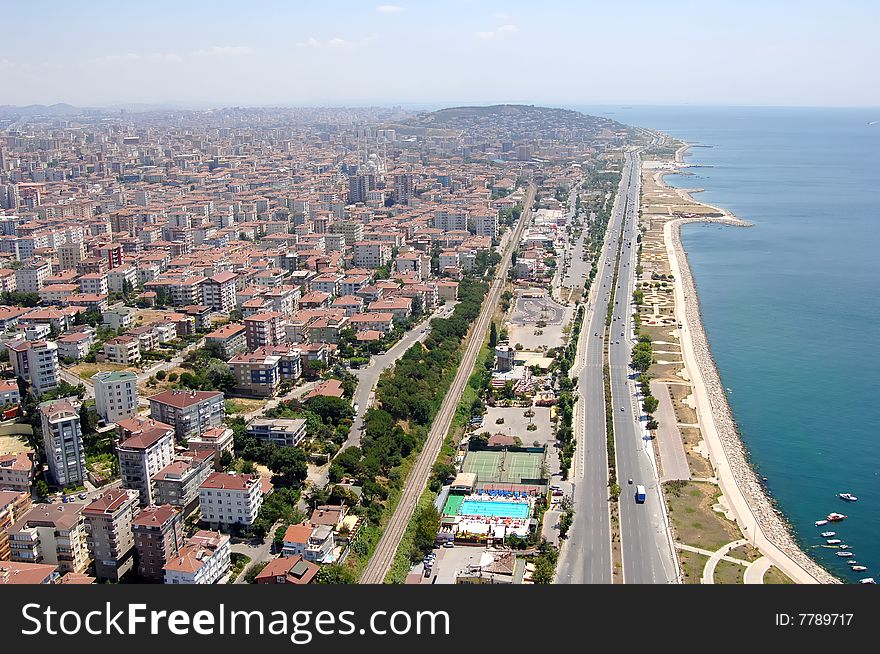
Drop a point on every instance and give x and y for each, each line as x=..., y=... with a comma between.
x=386, y=550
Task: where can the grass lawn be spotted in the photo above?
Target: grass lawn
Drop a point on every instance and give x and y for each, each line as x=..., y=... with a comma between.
x=693, y=520
x=87, y=370
x=692, y=565
x=745, y=552
x=729, y=573
x=776, y=576
x=244, y=405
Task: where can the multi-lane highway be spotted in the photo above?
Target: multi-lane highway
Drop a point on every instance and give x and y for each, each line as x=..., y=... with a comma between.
x=647, y=552
x=586, y=557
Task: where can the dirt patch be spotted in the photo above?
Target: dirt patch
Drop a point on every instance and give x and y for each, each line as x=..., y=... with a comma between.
x=13, y=445
x=694, y=522
x=729, y=573
x=692, y=564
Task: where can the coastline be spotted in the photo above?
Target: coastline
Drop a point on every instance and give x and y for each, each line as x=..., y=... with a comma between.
x=760, y=522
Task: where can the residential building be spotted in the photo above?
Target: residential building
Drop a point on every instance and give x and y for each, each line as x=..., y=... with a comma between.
x=146, y=450
x=288, y=570
x=31, y=574
x=108, y=527
x=158, y=538
x=230, y=339
x=62, y=438
x=17, y=471
x=205, y=559
x=371, y=254
x=37, y=362
x=75, y=346
x=9, y=392
x=13, y=505
x=230, y=499
x=123, y=350
x=218, y=292
x=280, y=431
x=257, y=373
x=116, y=395
x=189, y=412
x=178, y=483
x=54, y=534
x=264, y=328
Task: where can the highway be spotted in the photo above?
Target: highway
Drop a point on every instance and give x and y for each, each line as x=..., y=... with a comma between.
x=586, y=556
x=647, y=551
x=386, y=550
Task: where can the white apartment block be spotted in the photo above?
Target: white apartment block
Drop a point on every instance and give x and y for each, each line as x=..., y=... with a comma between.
x=229, y=499
x=205, y=559
x=115, y=394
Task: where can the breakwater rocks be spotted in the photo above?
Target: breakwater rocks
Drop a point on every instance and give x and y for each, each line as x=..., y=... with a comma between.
x=769, y=520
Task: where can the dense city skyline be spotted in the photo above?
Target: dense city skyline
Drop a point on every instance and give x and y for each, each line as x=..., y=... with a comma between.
x=362, y=53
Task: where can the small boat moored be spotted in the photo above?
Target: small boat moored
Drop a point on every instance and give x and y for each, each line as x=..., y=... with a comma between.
x=833, y=541
x=829, y=534
x=841, y=554
x=835, y=517
x=867, y=580
x=859, y=568
x=819, y=523
x=848, y=497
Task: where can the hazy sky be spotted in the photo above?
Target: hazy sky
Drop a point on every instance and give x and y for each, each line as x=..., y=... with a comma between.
x=257, y=52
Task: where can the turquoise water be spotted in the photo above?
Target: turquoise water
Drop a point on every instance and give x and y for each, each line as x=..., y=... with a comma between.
x=494, y=509
x=791, y=306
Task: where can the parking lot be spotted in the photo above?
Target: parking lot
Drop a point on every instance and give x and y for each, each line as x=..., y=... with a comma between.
x=527, y=313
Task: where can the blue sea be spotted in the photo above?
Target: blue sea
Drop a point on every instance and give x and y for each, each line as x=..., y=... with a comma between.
x=791, y=306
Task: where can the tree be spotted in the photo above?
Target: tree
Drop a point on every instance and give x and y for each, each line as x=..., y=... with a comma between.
x=289, y=466
x=42, y=489
x=426, y=525
x=335, y=574
x=650, y=404
x=493, y=335
x=330, y=409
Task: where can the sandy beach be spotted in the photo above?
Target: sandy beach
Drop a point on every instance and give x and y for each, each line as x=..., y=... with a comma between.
x=746, y=497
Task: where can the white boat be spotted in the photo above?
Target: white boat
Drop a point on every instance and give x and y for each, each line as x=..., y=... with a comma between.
x=829, y=534
x=835, y=517
x=841, y=554
x=819, y=523
x=859, y=568
x=867, y=580
x=853, y=562
x=833, y=541
x=849, y=497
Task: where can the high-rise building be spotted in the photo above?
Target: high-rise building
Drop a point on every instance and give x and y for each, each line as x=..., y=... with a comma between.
x=109, y=535
x=158, y=537
x=115, y=394
x=148, y=448
x=62, y=438
x=403, y=188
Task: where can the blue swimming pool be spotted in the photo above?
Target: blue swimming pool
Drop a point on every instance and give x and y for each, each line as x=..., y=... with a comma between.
x=494, y=509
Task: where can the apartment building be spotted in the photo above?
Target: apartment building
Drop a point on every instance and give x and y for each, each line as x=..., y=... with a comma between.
x=371, y=254
x=218, y=291
x=93, y=284
x=230, y=339
x=37, y=362
x=54, y=534
x=9, y=392
x=145, y=450
x=123, y=350
x=205, y=559
x=189, y=412
x=450, y=219
x=76, y=345
x=158, y=538
x=31, y=277
x=379, y=322
x=116, y=395
x=288, y=570
x=257, y=373
x=264, y=328
x=230, y=499
x=110, y=539
x=62, y=439
x=486, y=224
x=178, y=483
x=281, y=431
x=13, y=505
x=17, y=471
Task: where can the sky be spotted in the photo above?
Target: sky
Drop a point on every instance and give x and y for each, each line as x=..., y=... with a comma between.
x=420, y=52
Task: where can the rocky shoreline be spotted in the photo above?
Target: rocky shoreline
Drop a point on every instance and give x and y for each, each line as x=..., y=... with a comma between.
x=771, y=523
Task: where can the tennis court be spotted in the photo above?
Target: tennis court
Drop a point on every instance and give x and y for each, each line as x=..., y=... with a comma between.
x=486, y=465
x=503, y=466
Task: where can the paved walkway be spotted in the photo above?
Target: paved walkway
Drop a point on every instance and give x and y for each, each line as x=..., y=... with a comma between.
x=709, y=570
x=756, y=571
x=672, y=456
